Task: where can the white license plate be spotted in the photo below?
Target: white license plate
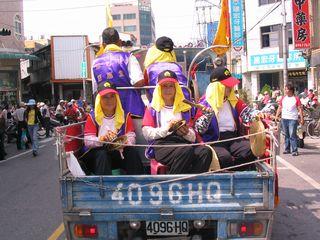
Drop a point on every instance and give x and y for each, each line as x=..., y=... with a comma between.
x=167, y=228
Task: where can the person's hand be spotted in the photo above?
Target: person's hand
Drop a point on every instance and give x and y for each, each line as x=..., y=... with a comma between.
x=172, y=123
x=108, y=137
x=182, y=131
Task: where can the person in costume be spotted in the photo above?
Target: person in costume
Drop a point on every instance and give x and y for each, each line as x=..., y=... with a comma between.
x=107, y=122
x=120, y=68
x=222, y=117
x=159, y=58
x=165, y=110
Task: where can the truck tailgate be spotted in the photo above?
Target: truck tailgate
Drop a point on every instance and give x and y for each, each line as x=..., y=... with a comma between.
x=136, y=194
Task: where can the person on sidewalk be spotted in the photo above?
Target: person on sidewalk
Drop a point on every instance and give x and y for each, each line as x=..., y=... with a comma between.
x=19, y=116
x=46, y=117
x=107, y=122
x=2, y=130
x=33, y=118
x=290, y=109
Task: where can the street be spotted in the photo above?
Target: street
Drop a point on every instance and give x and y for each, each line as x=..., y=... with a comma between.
x=30, y=205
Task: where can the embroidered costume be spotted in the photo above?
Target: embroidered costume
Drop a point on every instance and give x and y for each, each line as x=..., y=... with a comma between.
x=159, y=58
x=228, y=112
x=98, y=159
x=156, y=129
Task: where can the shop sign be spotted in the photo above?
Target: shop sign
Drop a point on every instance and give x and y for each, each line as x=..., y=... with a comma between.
x=297, y=73
x=236, y=12
x=301, y=20
x=272, y=61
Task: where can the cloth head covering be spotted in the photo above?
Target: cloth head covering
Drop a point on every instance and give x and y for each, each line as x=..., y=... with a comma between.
x=157, y=100
x=215, y=96
x=103, y=89
x=223, y=75
x=161, y=52
x=31, y=102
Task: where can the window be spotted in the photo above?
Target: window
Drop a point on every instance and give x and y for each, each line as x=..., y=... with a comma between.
x=130, y=28
x=116, y=17
x=270, y=35
x=119, y=28
x=264, y=2
x=129, y=16
x=18, y=27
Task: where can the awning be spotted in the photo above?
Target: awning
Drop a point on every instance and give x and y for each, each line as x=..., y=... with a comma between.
x=6, y=55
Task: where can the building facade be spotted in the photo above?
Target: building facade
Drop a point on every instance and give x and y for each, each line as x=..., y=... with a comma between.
x=11, y=50
x=261, y=63
x=135, y=17
x=315, y=53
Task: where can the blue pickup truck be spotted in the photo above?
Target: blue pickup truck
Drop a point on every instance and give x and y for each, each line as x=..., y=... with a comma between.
x=225, y=205
x=214, y=205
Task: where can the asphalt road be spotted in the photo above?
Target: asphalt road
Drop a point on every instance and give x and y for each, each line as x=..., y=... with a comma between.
x=30, y=205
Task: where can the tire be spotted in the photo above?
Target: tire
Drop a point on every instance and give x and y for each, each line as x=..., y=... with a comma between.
x=41, y=133
x=300, y=143
x=312, y=131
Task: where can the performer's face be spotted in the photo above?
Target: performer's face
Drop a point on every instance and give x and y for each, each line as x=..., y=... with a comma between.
x=168, y=91
x=109, y=102
x=227, y=92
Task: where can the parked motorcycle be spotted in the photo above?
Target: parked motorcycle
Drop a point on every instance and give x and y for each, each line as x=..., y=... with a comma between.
x=11, y=131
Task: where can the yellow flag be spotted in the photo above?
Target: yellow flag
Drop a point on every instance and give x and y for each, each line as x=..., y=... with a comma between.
x=109, y=16
x=223, y=32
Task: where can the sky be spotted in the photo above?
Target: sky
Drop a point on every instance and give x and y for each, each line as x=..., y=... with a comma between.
x=176, y=19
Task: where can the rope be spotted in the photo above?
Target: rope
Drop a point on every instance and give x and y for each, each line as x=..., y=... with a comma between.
x=171, y=180
x=180, y=145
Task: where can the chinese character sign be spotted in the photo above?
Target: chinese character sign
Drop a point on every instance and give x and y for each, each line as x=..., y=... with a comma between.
x=301, y=28
x=236, y=12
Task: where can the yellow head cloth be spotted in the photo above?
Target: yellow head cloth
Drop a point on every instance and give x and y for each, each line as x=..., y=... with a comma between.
x=178, y=105
x=155, y=55
x=215, y=96
x=119, y=113
x=109, y=47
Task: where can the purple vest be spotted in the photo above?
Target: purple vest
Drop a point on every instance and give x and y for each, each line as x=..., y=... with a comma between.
x=154, y=69
x=113, y=67
x=149, y=152
x=213, y=133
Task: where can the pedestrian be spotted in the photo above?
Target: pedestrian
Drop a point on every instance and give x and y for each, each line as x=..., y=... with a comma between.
x=46, y=117
x=121, y=69
x=19, y=116
x=2, y=132
x=33, y=118
x=60, y=111
x=290, y=109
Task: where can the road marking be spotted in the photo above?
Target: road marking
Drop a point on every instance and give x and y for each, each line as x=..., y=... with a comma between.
x=304, y=176
x=20, y=154
x=283, y=168
x=56, y=234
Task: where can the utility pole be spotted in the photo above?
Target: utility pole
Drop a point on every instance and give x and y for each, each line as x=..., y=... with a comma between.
x=284, y=43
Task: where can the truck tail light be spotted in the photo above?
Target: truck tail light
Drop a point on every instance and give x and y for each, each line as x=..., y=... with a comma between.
x=86, y=231
x=247, y=229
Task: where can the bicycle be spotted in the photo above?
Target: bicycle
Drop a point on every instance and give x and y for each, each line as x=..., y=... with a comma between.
x=313, y=128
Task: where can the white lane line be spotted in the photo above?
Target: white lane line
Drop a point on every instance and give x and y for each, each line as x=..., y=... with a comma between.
x=20, y=154
x=283, y=168
x=304, y=176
